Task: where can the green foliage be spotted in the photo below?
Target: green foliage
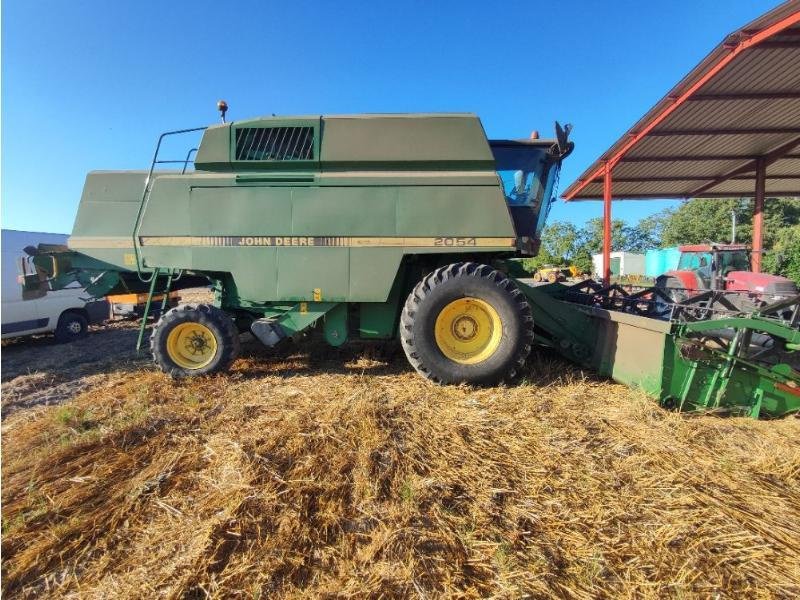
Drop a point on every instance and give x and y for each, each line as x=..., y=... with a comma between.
x=703, y=221
x=694, y=222
x=709, y=220
x=648, y=232
x=560, y=242
x=784, y=258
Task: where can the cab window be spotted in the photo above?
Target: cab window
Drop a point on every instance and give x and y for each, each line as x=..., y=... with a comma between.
x=734, y=261
x=522, y=170
x=691, y=261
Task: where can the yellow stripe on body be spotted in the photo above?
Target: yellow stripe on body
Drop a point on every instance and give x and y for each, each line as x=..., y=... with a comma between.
x=332, y=241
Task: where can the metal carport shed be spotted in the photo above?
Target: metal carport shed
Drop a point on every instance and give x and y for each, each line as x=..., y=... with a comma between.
x=730, y=128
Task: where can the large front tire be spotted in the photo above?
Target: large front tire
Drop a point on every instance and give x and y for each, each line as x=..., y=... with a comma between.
x=466, y=323
x=193, y=340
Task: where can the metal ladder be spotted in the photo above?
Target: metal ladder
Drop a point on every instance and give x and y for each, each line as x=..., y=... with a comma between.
x=171, y=274
x=146, y=192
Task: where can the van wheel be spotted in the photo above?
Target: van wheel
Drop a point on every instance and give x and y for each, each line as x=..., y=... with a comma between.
x=71, y=326
x=466, y=323
x=194, y=340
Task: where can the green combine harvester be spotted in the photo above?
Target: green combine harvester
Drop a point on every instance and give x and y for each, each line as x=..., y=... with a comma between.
x=397, y=226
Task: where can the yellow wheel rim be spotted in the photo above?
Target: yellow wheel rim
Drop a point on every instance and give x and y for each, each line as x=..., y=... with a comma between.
x=191, y=345
x=468, y=330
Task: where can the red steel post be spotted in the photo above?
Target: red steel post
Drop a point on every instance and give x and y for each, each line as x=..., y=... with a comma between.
x=607, y=225
x=758, y=214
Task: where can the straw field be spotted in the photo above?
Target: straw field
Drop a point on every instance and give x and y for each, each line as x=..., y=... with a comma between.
x=319, y=473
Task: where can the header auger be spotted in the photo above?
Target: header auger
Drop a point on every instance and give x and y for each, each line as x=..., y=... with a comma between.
x=380, y=227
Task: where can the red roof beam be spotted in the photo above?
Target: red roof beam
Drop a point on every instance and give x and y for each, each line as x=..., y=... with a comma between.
x=777, y=27
x=726, y=131
x=776, y=95
x=693, y=178
x=780, y=44
x=620, y=196
x=700, y=157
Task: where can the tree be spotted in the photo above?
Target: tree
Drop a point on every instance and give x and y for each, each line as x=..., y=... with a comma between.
x=647, y=233
x=784, y=258
x=700, y=221
x=709, y=220
x=592, y=235
x=559, y=240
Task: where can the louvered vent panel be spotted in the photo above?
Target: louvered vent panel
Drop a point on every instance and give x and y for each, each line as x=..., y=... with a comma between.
x=275, y=143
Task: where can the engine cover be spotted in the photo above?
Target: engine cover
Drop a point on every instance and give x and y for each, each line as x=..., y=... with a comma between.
x=760, y=283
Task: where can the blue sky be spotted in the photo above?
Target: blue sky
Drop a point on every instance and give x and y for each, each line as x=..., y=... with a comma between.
x=89, y=85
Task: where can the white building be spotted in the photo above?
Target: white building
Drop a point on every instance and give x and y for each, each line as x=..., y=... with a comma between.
x=622, y=264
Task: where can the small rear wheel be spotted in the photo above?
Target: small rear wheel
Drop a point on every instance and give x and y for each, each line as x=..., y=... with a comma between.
x=71, y=326
x=466, y=323
x=194, y=340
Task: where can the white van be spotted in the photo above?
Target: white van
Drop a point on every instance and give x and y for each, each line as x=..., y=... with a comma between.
x=64, y=312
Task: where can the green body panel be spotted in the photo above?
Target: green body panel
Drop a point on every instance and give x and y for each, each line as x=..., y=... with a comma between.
x=214, y=152
x=109, y=203
x=377, y=320
x=432, y=141
x=375, y=189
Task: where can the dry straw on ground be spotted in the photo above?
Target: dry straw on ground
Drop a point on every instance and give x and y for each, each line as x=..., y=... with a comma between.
x=337, y=475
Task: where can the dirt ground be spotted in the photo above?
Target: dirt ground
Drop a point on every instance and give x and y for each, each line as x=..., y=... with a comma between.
x=317, y=472
x=39, y=372
x=36, y=371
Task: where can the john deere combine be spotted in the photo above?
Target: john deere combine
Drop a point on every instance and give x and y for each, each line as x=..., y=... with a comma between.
x=384, y=226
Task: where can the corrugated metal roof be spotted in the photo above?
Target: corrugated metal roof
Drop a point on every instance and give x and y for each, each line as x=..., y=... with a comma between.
x=740, y=103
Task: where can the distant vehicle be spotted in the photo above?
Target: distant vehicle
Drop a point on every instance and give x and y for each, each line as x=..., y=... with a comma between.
x=551, y=274
x=722, y=267
x=64, y=312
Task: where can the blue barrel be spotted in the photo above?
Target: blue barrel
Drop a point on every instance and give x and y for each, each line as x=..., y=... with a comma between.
x=658, y=262
x=671, y=258
x=654, y=263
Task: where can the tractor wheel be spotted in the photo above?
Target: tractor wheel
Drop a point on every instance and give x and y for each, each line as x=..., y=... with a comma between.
x=194, y=340
x=552, y=277
x=466, y=323
x=537, y=277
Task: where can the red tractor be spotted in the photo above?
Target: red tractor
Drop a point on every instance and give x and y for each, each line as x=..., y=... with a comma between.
x=725, y=268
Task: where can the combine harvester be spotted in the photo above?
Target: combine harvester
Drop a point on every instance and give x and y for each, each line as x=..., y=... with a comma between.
x=397, y=226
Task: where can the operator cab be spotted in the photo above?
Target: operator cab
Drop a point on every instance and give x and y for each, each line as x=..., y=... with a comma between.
x=712, y=261
x=528, y=171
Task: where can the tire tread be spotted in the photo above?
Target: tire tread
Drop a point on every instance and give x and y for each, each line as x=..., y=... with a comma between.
x=228, y=342
x=458, y=270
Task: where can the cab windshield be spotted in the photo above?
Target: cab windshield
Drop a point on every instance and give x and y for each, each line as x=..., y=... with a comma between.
x=522, y=169
x=528, y=173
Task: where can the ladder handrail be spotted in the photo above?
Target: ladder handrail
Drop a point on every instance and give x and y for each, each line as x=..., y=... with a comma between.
x=146, y=196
